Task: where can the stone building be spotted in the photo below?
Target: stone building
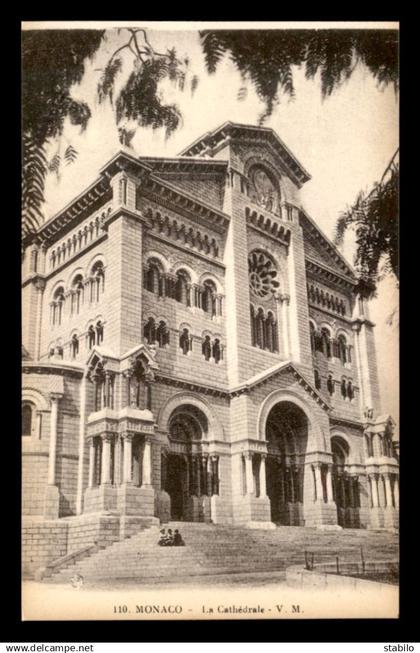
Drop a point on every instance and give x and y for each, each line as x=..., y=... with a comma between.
x=194, y=350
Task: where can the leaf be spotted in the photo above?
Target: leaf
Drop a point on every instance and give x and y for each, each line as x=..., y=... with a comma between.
x=54, y=164
x=70, y=155
x=107, y=80
x=242, y=94
x=194, y=84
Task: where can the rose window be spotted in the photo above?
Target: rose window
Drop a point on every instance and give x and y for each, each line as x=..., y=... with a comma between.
x=262, y=274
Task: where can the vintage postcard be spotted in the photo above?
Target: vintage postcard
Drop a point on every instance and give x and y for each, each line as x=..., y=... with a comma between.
x=210, y=320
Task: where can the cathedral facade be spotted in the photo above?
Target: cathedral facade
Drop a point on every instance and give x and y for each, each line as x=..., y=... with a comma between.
x=194, y=349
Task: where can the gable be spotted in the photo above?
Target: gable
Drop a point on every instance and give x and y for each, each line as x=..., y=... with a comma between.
x=319, y=249
x=207, y=188
x=286, y=374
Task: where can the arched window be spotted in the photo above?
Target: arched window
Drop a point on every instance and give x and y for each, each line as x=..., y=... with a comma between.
x=369, y=445
x=77, y=294
x=185, y=341
x=253, y=329
x=344, y=388
x=259, y=324
x=263, y=189
x=98, y=281
x=208, y=301
x=74, y=346
x=206, y=348
x=350, y=390
x=264, y=331
x=312, y=334
x=330, y=384
x=217, y=350
x=326, y=342
x=182, y=288
x=317, y=380
x=99, y=332
x=154, y=278
x=59, y=300
x=91, y=337
x=162, y=334
x=342, y=348
x=149, y=331
x=27, y=418
x=271, y=339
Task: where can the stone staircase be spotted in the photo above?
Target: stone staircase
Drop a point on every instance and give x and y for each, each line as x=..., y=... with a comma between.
x=221, y=549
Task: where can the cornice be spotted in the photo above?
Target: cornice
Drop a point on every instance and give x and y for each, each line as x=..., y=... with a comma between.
x=165, y=194
x=324, y=271
x=191, y=385
x=61, y=369
x=268, y=224
x=333, y=251
x=83, y=205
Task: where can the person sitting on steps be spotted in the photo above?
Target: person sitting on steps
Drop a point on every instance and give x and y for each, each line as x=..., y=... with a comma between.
x=163, y=540
x=178, y=541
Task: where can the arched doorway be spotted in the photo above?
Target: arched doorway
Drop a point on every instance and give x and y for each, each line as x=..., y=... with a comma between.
x=287, y=436
x=189, y=473
x=346, y=491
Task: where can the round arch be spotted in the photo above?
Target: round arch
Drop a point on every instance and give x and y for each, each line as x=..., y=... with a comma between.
x=209, y=276
x=72, y=276
x=153, y=254
x=215, y=431
x=180, y=265
x=99, y=257
x=341, y=434
x=316, y=438
x=35, y=397
x=58, y=284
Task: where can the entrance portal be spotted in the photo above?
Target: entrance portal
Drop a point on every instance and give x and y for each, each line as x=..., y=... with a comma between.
x=190, y=474
x=346, y=491
x=176, y=484
x=286, y=435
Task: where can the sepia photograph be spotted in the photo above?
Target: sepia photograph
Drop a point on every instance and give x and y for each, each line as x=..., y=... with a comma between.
x=210, y=320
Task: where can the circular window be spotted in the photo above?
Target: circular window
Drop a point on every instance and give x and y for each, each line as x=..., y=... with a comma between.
x=262, y=274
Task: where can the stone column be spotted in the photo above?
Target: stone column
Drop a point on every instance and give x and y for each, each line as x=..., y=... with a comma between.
x=53, y=438
x=388, y=491
x=263, y=478
x=396, y=493
x=128, y=452
x=285, y=301
x=117, y=461
x=318, y=482
x=39, y=285
x=91, y=462
x=330, y=494
x=147, y=463
x=205, y=477
x=198, y=474
x=249, y=474
x=209, y=477
x=374, y=490
x=106, y=459
x=351, y=492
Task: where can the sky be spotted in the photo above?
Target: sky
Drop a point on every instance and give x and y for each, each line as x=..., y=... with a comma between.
x=345, y=142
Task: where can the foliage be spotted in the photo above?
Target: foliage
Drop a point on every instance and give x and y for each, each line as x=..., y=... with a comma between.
x=52, y=62
x=266, y=58
x=374, y=219
x=139, y=102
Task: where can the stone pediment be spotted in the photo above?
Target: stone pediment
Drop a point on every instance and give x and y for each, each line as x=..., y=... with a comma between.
x=285, y=367
x=142, y=351
x=212, y=142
